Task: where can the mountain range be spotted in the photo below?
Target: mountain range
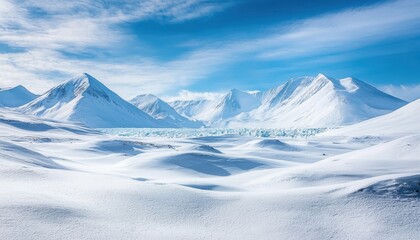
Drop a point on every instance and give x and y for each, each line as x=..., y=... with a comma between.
x=86, y=100
x=318, y=101
x=159, y=109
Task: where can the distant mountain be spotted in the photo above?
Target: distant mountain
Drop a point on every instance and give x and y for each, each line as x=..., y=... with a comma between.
x=231, y=104
x=217, y=110
x=159, y=109
x=16, y=96
x=189, y=108
x=86, y=100
x=317, y=102
x=300, y=102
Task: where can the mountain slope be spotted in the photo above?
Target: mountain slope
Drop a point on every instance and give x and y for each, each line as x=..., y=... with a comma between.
x=188, y=108
x=213, y=112
x=318, y=102
x=231, y=104
x=161, y=110
x=86, y=100
x=403, y=121
x=16, y=96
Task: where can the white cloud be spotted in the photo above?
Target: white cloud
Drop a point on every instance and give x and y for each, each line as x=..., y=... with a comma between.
x=337, y=32
x=78, y=26
x=85, y=25
x=405, y=92
x=34, y=69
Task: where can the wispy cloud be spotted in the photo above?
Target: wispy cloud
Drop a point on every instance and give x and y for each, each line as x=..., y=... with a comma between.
x=35, y=68
x=405, y=92
x=55, y=24
x=335, y=32
x=45, y=29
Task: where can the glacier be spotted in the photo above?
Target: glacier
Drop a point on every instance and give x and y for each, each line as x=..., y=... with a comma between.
x=206, y=132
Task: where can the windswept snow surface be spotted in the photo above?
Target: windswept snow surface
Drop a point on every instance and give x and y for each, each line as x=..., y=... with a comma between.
x=64, y=181
x=86, y=100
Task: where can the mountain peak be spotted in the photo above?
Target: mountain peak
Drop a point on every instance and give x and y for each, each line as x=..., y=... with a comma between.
x=84, y=84
x=84, y=78
x=324, y=76
x=86, y=100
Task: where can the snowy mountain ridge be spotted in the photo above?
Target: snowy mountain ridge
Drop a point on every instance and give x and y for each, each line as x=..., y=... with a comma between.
x=159, y=109
x=15, y=96
x=318, y=101
x=86, y=100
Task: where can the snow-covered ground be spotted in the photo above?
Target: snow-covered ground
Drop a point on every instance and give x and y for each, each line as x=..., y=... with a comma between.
x=64, y=181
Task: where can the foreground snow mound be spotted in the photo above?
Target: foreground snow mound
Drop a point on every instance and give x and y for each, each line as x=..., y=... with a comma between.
x=365, y=167
x=200, y=162
x=205, y=148
x=402, y=187
x=16, y=96
x=86, y=100
x=272, y=144
x=14, y=123
x=318, y=102
x=401, y=122
x=19, y=134
x=160, y=110
x=24, y=156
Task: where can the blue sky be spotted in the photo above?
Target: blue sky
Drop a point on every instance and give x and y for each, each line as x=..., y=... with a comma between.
x=200, y=48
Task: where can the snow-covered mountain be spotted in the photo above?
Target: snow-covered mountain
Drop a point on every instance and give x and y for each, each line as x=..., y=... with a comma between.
x=161, y=110
x=16, y=96
x=401, y=122
x=84, y=99
x=318, y=102
x=189, y=108
x=217, y=110
x=231, y=104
